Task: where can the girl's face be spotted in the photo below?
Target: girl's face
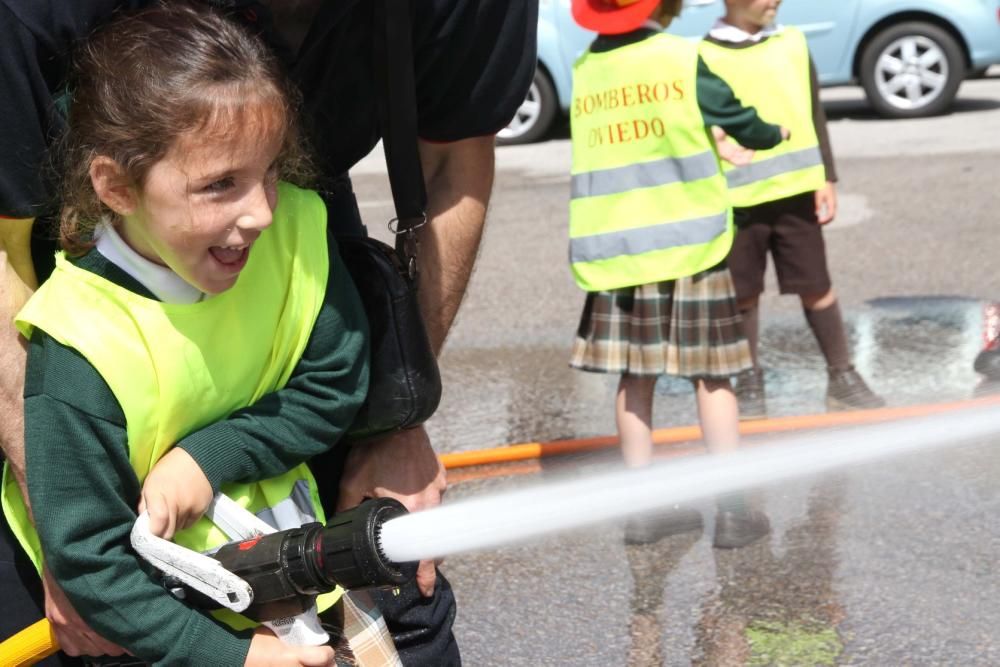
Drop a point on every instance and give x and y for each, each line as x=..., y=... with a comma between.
x=205, y=203
x=751, y=15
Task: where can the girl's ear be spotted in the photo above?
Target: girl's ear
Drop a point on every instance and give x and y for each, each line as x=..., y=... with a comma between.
x=112, y=185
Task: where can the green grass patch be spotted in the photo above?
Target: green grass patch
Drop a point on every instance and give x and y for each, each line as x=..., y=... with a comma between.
x=792, y=644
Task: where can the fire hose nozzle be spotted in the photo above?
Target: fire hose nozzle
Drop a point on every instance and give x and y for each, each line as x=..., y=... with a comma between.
x=313, y=559
x=352, y=554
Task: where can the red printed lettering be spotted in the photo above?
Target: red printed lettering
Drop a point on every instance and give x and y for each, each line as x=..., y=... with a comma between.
x=643, y=91
x=628, y=98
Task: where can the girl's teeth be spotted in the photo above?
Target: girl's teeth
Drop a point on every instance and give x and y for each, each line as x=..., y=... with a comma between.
x=228, y=255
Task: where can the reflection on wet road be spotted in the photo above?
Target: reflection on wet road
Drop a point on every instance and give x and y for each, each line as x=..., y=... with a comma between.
x=911, y=350
x=887, y=564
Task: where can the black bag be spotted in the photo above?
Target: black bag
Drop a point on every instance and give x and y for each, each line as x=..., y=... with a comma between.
x=404, y=385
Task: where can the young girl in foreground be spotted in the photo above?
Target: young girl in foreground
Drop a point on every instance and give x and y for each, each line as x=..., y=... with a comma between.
x=198, y=334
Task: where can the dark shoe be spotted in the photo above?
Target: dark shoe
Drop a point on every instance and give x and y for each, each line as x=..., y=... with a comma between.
x=847, y=390
x=649, y=528
x=750, y=394
x=738, y=528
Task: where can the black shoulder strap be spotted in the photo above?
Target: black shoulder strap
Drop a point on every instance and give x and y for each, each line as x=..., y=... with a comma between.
x=397, y=108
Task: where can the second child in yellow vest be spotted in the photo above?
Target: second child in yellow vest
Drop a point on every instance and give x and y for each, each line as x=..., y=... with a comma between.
x=650, y=227
x=784, y=196
x=199, y=334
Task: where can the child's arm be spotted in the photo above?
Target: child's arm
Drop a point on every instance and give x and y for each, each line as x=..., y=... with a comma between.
x=83, y=493
x=281, y=430
x=720, y=107
x=819, y=123
x=307, y=416
x=826, y=197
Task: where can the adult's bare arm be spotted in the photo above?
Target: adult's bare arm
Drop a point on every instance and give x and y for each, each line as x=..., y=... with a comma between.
x=17, y=280
x=459, y=179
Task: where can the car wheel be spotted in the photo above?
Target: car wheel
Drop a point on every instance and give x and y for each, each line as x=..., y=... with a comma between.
x=912, y=69
x=534, y=116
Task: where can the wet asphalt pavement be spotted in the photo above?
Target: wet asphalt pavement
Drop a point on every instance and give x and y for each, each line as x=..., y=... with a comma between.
x=890, y=563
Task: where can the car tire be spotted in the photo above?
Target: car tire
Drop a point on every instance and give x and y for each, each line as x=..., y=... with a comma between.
x=912, y=69
x=535, y=115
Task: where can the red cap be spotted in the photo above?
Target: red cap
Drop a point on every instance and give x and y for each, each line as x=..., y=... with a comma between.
x=612, y=17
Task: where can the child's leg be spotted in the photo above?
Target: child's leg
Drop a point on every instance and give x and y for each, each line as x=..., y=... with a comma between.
x=747, y=262
x=823, y=315
x=634, y=416
x=750, y=315
x=736, y=525
x=846, y=389
x=718, y=415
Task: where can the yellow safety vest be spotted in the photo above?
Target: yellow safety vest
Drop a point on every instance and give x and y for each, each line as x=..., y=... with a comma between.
x=176, y=368
x=773, y=76
x=648, y=200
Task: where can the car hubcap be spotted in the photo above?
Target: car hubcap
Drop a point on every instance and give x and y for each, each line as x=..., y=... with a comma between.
x=526, y=116
x=911, y=72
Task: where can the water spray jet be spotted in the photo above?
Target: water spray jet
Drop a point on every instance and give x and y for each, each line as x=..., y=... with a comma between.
x=516, y=516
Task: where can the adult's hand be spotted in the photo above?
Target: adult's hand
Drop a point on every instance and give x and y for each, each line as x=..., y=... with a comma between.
x=826, y=203
x=74, y=635
x=401, y=466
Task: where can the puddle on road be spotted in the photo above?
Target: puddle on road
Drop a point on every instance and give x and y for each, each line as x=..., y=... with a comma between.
x=880, y=565
x=909, y=349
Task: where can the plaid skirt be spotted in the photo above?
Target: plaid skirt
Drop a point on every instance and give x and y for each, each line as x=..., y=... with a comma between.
x=358, y=633
x=689, y=327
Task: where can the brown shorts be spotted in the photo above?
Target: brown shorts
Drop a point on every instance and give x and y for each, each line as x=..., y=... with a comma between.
x=789, y=230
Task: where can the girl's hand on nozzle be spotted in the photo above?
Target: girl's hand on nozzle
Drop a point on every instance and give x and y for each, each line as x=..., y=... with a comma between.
x=786, y=134
x=266, y=650
x=175, y=493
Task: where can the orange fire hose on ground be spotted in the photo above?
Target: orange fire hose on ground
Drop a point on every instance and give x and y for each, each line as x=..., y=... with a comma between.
x=38, y=641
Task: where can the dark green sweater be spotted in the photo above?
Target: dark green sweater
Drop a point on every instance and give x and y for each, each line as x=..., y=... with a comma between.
x=84, y=492
x=718, y=104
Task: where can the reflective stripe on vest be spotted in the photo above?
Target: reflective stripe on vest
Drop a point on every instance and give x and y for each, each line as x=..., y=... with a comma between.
x=647, y=239
x=617, y=180
x=794, y=166
x=648, y=201
x=176, y=368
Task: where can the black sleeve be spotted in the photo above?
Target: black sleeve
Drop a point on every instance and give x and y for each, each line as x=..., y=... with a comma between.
x=474, y=62
x=720, y=106
x=37, y=39
x=311, y=412
x=29, y=119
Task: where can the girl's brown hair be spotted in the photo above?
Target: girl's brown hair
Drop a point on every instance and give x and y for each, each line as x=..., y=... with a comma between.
x=147, y=78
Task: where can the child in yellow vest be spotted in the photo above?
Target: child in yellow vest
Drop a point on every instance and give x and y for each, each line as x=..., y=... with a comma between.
x=650, y=227
x=784, y=197
x=200, y=333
